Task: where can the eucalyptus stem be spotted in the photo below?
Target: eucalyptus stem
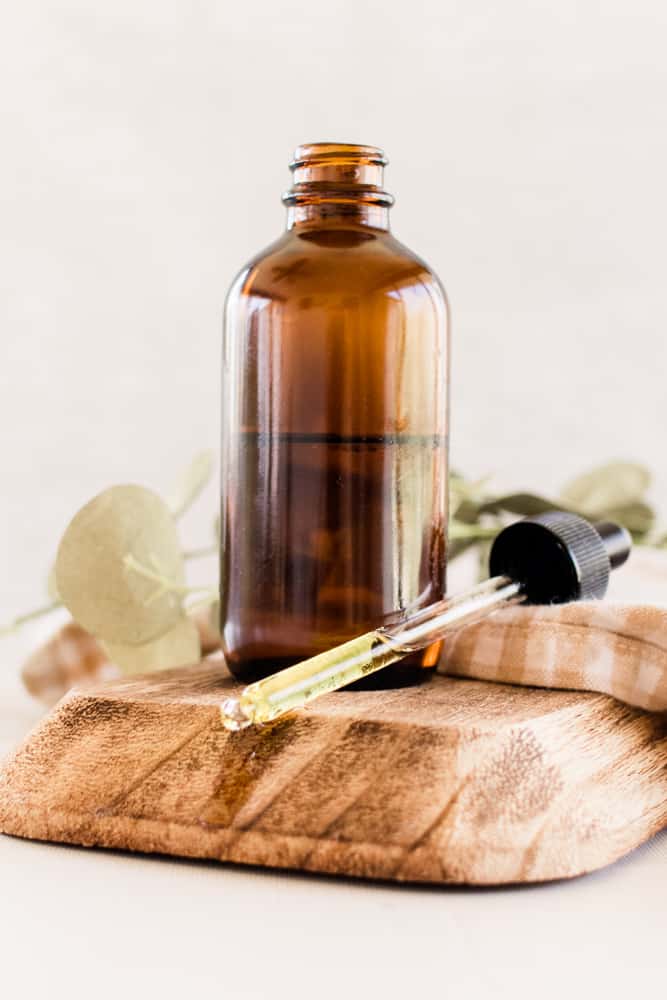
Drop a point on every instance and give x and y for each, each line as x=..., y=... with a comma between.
x=207, y=600
x=208, y=550
x=165, y=585
x=29, y=616
x=459, y=530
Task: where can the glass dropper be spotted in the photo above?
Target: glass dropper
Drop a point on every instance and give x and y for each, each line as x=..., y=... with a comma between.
x=547, y=559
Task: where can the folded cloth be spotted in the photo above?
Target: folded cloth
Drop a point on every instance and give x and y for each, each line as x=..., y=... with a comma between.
x=616, y=649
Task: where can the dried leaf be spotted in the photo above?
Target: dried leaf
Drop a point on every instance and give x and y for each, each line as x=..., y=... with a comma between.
x=191, y=483
x=119, y=568
x=179, y=647
x=607, y=487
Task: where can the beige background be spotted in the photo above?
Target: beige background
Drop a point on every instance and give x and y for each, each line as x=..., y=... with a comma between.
x=143, y=151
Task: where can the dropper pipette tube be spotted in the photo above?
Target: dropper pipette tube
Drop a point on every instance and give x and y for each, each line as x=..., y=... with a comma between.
x=290, y=689
x=548, y=558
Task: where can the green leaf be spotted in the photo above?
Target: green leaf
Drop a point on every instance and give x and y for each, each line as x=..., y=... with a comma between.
x=638, y=518
x=52, y=586
x=477, y=532
x=457, y=546
x=523, y=504
x=607, y=487
x=179, y=647
x=465, y=496
x=467, y=512
x=191, y=483
x=483, y=556
x=119, y=567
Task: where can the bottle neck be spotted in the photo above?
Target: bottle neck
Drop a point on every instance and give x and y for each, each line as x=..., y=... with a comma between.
x=337, y=185
x=315, y=216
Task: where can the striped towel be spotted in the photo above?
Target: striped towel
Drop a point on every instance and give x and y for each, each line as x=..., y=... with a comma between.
x=616, y=649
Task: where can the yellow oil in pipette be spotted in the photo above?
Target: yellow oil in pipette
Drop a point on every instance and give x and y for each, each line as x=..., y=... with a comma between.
x=294, y=687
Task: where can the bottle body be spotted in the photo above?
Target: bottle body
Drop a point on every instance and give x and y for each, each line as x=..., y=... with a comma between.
x=334, y=450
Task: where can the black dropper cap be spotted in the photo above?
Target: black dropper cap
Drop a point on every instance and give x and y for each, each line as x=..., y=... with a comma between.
x=559, y=557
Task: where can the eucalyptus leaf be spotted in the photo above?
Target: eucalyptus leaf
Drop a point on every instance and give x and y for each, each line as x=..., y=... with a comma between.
x=52, y=586
x=119, y=567
x=478, y=532
x=467, y=512
x=638, y=518
x=483, y=556
x=457, y=546
x=179, y=647
x=191, y=483
x=607, y=487
x=524, y=504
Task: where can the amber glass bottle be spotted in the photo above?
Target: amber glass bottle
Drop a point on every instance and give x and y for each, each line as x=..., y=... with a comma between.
x=334, y=443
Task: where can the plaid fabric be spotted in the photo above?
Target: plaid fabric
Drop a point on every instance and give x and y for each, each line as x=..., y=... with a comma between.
x=615, y=649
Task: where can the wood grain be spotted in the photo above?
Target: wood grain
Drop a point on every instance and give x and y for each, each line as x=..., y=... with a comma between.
x=456, y=781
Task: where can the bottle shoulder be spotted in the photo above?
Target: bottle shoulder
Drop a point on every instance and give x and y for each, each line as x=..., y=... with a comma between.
x=426, y=275
x=336, y=260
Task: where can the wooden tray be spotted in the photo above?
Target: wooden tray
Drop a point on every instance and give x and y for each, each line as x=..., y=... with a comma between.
x=454, y=781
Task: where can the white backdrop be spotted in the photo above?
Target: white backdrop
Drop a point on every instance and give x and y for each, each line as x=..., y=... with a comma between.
x=144, y=149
